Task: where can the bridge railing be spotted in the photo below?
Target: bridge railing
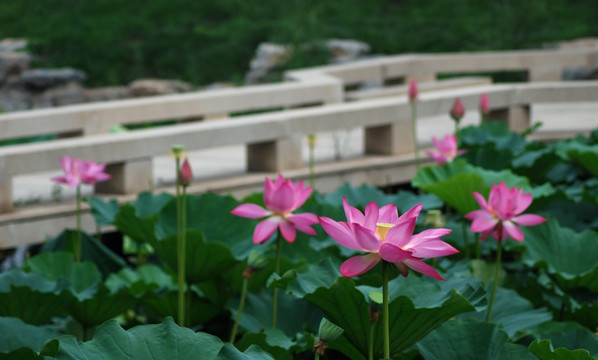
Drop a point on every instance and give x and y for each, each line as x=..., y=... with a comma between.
x=313, y=100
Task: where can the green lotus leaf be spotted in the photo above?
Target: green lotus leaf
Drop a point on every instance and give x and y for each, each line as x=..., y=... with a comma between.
x=223, y=228
x=143, y=279
x=91, y=250
x=161, y=304
x=565, y=254
x=345, y=305
x=16, y=334
x=293, y=314
x=273, y=341
x=102, y=306
x=31, y=297
x=584, y=155
x=357, y=196
x=471, y=340
x=103, y=211
x=568, y=334
x=514, y=313
x=455, y=181
x=544, y=350
x=204, y=260
x=158, y=341
x=61, y=266
x=140, y=229
x=148, y=203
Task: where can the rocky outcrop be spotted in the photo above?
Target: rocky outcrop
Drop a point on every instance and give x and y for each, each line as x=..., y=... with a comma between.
x=585, y=73
x=269, y=56
x=150, y=87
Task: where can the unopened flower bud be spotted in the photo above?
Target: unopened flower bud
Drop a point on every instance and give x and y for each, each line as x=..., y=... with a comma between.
x=434, y=218
x=484, y=104
x=311, y=140
x=256, y=260
x=177, y=150
x=329, y=331
x=413, y=91
x=457, y=111
x=185, y=174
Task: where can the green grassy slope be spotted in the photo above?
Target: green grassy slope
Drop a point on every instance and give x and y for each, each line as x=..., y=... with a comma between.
x=203, y=41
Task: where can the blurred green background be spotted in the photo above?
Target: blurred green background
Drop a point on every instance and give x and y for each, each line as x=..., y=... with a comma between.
x=117, y=41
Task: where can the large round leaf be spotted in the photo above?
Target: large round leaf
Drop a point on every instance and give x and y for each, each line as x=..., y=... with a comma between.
x=544, y=350
x=16, y=334
x=159, y=341
x=346, y=306
x=565, y=254
x=471, y=340
x=203, y=260
x=31, y=297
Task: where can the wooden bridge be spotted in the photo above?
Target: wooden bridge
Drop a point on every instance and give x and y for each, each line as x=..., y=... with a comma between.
x=271, y=121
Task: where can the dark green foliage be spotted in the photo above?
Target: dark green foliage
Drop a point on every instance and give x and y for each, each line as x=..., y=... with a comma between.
x=115, y=42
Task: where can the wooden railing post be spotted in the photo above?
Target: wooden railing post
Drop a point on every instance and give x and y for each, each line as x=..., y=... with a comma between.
x=391, y=139
x=127, y=177
x=6, y=200
x=544, y=74
x=275, y=156
x=517, y=117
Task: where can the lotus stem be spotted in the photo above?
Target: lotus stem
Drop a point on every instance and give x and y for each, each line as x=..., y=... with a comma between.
x=385, y=314
x=465, y=238
x=371, y=341
x=414, y=126
x=312, y=144
x=77, y=247
x=276, y=271
x=478, y=249
x=181, y=262
x=233, y=333
x=496, y=276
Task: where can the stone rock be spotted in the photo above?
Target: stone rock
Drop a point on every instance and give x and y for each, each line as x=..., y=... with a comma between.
x=267, y=57
x=42, y=79
x=150, y=87
x=12, y=65
x=346, y=50
x=106, y=93
x=63, y=94
x=582, y=73
x=12, y=45
x=15, y=100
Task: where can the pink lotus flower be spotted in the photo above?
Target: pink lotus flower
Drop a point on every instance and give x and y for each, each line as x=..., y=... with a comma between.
x=413, y=91
x=386, y=236
x=76, y=171
x=185, y=173
x=500, y=215
x=446, y=150
x=281, y=198
x=457, y=111
x=484, y=104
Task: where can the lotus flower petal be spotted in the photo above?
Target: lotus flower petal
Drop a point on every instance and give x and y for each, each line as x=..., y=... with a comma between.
x=358, y=265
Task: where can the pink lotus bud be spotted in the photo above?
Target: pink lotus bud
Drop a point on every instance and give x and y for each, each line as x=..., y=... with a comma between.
x=484, y=104
x=457, y=111
x=413, y=91
x=185, y=174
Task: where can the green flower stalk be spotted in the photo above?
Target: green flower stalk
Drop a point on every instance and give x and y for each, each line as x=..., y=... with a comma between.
x=311, y=143
x=76, y=172
x=255, y=262
x=413, y=92
x=277, y=272
x=183, y=177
